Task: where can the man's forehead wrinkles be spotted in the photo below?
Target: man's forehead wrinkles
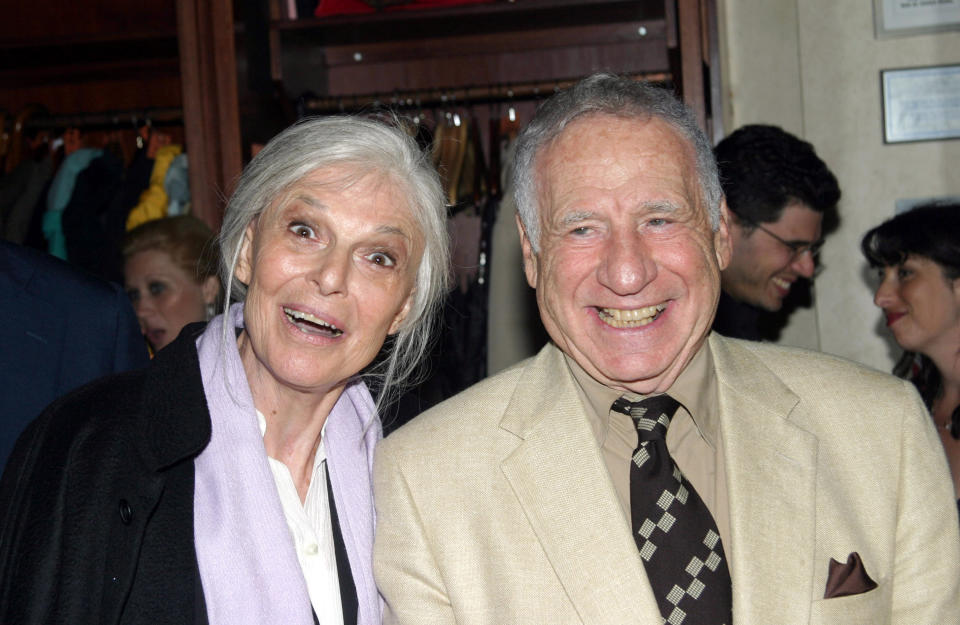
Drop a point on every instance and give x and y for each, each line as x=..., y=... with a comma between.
x=640, y=208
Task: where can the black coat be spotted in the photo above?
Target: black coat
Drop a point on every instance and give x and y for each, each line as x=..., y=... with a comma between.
x=97, y=501
x=737, y=319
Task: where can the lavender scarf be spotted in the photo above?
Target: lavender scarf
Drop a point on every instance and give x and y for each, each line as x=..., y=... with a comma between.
x=246, y=555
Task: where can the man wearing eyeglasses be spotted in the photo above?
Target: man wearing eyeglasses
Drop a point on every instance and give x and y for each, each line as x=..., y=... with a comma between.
x=780, y=195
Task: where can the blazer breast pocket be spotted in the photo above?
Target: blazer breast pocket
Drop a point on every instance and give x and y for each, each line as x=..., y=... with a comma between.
x=869, y=608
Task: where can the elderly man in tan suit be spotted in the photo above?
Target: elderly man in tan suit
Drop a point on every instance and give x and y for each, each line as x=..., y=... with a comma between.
x=640, y=470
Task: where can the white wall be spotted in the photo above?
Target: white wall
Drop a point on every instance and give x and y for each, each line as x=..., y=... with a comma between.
x=813, y=67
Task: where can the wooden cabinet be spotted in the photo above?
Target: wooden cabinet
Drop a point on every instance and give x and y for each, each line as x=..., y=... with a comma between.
x=478, y=46
x=472, y=53
x=89, y=56
x=109, y=55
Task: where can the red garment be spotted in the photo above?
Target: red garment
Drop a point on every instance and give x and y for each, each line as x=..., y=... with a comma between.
x=327, y=8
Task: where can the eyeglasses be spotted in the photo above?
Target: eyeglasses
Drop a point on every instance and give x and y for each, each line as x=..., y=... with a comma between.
x=797, y=248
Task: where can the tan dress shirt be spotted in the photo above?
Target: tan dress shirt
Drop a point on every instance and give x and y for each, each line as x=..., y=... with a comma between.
x=693, y=438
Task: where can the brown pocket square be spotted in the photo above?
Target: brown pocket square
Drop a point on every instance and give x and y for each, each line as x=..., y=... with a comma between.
x=848, y=579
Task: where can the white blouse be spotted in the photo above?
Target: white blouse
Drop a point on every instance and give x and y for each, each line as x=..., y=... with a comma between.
x=312, y=532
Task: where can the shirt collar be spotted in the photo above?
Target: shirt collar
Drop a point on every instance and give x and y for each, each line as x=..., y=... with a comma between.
x=695, y=388
x=321, y=454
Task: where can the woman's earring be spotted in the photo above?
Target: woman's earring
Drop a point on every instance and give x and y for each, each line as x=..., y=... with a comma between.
x=211, y=311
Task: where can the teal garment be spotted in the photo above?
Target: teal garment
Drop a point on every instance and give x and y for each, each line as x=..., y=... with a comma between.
x=61, y=189
x=177, y=185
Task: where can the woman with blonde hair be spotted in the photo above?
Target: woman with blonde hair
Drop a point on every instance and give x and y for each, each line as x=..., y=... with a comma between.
x=170, y=273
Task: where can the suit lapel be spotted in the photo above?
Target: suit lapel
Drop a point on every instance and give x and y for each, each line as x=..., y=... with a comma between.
x=770, y=466
x=559, y=478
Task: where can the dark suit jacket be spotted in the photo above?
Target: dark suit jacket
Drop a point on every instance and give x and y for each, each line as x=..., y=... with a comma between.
x=59, y=328
x=737, y=319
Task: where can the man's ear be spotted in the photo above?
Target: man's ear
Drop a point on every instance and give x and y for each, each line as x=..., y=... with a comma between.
x=529, y=256
x=722, y=243
x=244, y=270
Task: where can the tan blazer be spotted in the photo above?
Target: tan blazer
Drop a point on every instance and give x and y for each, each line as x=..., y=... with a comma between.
x=495, y=507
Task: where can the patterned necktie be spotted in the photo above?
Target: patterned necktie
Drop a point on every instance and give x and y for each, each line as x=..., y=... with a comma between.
x=675, y=533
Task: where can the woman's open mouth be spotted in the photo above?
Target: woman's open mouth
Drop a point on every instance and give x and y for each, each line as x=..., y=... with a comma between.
x=308, y=324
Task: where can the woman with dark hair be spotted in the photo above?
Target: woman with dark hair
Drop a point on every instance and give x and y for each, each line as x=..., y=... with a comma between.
x=917, y=254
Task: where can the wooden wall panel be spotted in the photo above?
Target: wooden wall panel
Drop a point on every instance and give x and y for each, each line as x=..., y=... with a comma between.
x=690, y=26
x=101, y=95
x=490, y=59
x=54, y=21
x=89, y=56
x=210, y=103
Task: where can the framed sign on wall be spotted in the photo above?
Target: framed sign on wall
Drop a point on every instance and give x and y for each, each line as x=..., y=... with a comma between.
x=921, y=104
x=894, y=18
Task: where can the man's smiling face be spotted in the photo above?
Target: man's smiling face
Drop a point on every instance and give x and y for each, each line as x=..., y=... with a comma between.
x=763, y=269
x=628, y=268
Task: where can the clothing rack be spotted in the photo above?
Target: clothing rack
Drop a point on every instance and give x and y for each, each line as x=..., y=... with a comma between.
x=109, y=120
x=34, y=117
x=452, y=96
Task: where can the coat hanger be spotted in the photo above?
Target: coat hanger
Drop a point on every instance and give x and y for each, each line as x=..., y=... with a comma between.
x=509, y=123
x=15, y=151
x=453, y=149
x=4, y=137
x=480, y=186
x=494, y=160
x=446, y=150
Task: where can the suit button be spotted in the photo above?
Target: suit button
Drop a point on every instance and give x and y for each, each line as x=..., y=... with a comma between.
x=126, y=512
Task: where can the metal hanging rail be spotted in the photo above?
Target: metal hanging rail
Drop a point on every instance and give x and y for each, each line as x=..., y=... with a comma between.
x=453, y=96
x=109, y=119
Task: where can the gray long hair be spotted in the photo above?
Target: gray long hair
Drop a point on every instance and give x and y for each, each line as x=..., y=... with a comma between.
x=606, y=94
x=366, y=146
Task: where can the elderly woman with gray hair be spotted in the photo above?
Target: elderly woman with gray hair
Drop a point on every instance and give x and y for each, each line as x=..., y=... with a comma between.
x=230, y=482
